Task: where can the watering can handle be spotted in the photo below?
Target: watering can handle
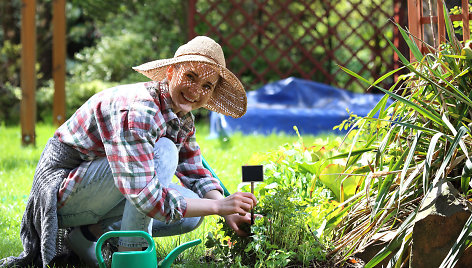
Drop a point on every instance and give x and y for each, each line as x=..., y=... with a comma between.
x=169, y=259
x=107, y=235
x=207, y=166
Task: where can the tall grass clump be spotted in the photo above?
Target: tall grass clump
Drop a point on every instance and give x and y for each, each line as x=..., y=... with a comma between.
x=412, y=147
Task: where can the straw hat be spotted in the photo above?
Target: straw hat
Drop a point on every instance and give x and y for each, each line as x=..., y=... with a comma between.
x=228, y=98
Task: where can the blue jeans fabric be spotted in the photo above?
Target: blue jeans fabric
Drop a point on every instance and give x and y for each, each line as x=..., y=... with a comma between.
x=98, y=200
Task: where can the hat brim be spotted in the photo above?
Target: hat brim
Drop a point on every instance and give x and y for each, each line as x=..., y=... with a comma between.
x=228, y=98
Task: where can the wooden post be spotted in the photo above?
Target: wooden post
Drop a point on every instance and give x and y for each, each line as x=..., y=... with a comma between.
x=28, y=72
x=414, y=24
x=465, y=20
x=441, y=24
x=59, y=61
x=191, y=19
x=401, y=17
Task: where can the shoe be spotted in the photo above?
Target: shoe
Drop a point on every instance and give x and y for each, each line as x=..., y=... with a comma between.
x=83, y=247
x=108, y=250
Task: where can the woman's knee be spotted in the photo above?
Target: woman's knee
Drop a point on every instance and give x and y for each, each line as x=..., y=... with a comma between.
x=166, y=150
x=166, y=159
x=185, y=225
x=191, y=224
x=165, y=146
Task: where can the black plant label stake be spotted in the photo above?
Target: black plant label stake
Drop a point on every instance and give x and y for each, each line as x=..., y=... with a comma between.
x=252, y=174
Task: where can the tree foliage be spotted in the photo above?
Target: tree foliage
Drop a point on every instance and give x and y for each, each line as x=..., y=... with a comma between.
x=105, y=38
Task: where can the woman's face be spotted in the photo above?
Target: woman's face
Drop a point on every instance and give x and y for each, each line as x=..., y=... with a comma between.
x=191, y=85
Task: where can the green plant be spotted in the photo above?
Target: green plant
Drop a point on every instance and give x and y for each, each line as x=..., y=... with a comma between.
x=294, y=204
x=307, y=168
x=10, y=91
x=283, y=235
x=416, y=144
x=459, y=25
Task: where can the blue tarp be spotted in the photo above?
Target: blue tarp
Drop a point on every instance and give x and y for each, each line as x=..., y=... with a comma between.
x=313, y=107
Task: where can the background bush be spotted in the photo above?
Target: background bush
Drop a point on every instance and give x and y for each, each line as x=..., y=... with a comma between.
x=77, y=94
x=10, y=93
x=106, y=38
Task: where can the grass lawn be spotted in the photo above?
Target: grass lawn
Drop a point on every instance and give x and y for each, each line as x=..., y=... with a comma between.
x=17, y=165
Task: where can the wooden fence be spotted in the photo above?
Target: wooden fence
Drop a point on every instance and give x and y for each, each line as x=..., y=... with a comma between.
x=267, y=40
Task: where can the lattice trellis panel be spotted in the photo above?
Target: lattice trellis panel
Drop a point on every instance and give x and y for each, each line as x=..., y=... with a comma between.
x=267, y=40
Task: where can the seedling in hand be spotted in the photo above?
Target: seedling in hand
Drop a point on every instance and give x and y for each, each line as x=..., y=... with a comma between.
x=252, y=174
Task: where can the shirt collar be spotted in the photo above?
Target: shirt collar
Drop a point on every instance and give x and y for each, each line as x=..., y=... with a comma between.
x=160, y=92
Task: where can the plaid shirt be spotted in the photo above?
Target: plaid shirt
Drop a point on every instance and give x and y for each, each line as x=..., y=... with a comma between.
x=123, y=123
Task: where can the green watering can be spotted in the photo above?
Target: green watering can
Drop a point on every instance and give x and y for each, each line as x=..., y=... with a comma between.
x=144, y=259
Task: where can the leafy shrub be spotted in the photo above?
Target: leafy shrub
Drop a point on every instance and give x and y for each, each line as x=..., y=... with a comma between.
x=10, y=93
x=459, y=25
x=10, y=103
x=111, y=59
x=77, y=93
x=129, y=36
x=295, y=205
x=280, y=237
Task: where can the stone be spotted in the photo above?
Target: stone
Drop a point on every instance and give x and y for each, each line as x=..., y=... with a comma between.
x=437, y=226
x=381, y=240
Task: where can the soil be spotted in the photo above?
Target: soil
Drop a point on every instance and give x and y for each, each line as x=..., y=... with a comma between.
x=350, y=263
x=71, y=260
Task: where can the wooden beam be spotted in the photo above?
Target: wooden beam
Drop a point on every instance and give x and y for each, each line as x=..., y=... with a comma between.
x=59, y=61
x=455, y=17
x=28, y=72
x=414, y=25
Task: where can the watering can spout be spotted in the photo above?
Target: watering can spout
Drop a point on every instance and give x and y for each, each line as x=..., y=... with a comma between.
x=169, y=259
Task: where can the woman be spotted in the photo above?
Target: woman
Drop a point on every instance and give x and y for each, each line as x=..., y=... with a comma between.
x=110, y=165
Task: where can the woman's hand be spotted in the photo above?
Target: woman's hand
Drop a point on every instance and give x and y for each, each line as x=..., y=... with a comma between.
x=239, y=203
x=214, y=203
x=233, y=208
x=236, y=221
